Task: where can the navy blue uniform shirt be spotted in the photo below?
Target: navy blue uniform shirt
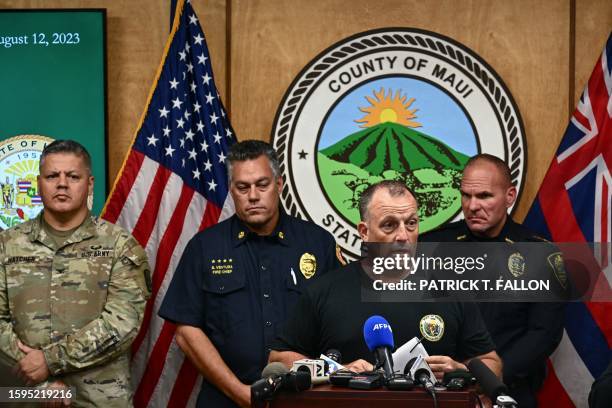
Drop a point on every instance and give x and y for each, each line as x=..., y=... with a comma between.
x=238, y=286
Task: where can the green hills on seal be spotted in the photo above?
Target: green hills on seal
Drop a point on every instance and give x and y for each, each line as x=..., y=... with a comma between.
x=390, y=146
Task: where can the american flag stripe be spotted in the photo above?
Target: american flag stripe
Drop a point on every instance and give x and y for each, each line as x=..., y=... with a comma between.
x=160, y=397
x=172, y=184
x=137, y=197
x=160, y=257
x=148, y=214
x=181, y=390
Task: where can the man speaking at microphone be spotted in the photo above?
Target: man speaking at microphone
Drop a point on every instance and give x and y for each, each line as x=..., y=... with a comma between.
x=330, y=313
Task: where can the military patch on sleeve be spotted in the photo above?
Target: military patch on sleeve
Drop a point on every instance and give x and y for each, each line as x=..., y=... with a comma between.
x=339, y=255
x=555, y=261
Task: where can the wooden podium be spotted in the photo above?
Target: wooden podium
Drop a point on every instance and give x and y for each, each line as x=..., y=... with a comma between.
x=341, y=397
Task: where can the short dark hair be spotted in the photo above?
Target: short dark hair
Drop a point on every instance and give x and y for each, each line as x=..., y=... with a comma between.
x=499, y=164
x=66, y=146
x=395, y=188
x=251, y=150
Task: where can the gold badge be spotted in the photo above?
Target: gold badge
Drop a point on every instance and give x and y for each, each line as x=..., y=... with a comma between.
x=308, y=265
x=558, y=266
x=516, y=264
x=241, y=235
x=432, y=327
x=281, y=235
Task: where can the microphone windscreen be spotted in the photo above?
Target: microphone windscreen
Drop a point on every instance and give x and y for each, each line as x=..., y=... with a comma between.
x=464, y=374
x=490, y=384
x=273, y=369
x=334, y=355
x=377, y=333
x=297, y=381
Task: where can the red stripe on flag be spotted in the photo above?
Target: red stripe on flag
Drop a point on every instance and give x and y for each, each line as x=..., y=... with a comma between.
x=583, y=120
x=211, y=216
x=164, y=254
x=155, y=365
x=552, y=393
x=556, y=205
x=123, y=187
x=183, y=387
x=146, y=221
x=599, y=99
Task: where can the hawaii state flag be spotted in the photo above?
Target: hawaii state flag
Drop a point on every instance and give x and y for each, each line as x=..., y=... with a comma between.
x=574, y=205
x=173, y=184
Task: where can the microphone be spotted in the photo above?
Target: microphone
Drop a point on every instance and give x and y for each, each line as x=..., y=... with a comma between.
x=457, y=379
x=334, y=355
x=420, y=371
x=379, y=339
x=490, y=384
x=276, y=376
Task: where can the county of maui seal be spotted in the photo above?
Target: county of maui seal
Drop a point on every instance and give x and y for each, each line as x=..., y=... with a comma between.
x=401, y=104
x=19, y=157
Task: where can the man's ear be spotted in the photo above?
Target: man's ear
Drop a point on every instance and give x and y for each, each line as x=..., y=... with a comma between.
x=279, y=183
x=510, y=196
x=362, y=228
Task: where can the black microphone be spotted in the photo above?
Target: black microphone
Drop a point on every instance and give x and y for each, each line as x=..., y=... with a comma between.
x=490, y=384
x=334, y=355
x=421, y=373
x=457, y=379
x=276, y=376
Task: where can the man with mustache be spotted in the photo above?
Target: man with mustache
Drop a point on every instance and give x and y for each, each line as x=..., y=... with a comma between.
x=525, y=333
x=237, y=280
x=73, y=289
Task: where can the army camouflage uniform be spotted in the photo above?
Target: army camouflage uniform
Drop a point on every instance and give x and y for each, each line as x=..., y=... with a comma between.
x=81, y=303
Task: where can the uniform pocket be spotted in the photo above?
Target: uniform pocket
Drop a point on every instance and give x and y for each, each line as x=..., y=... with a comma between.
x=226, y=300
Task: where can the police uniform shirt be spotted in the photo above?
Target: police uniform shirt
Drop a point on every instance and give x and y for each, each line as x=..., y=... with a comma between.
x=237, y=287
x=330, y=315
x=524, y=332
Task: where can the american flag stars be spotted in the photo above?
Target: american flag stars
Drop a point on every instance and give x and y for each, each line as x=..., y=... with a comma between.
x=190, y=116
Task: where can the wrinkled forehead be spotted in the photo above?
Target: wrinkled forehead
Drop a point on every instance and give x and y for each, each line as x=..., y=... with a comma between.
x=384, y=204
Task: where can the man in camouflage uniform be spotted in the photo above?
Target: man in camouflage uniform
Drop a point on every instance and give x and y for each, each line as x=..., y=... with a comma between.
x=72, y=289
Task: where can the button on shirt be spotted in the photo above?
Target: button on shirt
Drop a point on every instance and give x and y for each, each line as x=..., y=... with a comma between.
x=238, y=287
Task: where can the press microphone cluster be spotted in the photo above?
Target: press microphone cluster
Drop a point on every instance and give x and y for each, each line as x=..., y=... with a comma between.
x=491, y=385
x=274, y=377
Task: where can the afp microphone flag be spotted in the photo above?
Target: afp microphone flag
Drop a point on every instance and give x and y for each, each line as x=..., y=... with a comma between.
x=173, y=184
x=574, y=205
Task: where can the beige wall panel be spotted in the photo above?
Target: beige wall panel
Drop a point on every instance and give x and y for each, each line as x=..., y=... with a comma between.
x=272, y=40
x=593, y=25
x=136, y=35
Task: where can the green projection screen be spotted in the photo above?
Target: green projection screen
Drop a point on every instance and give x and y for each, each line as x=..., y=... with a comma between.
x=52, y=86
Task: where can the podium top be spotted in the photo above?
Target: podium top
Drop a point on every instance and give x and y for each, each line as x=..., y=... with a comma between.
x=341, y=397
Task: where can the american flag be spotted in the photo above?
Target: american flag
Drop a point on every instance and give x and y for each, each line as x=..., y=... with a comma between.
x=173, y=184
x=574, y=205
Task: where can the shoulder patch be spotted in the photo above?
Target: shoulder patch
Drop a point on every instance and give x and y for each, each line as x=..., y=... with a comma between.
x=555, y=260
